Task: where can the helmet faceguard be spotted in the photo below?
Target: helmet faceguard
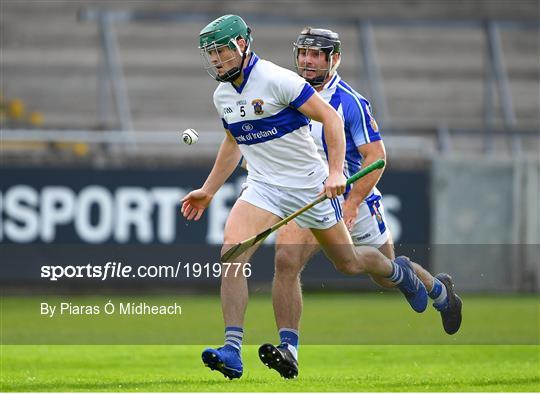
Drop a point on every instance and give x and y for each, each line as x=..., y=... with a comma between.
x=322, y=41
x=218, y=47
x=223, y=58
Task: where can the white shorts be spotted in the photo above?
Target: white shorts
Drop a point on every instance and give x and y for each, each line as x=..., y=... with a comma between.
x=282, y=202
x=370, y=227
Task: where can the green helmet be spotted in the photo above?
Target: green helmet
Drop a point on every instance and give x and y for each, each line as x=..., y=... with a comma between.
x=223, y=32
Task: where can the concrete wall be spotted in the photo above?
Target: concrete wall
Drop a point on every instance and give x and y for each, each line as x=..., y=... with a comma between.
x=486, y=221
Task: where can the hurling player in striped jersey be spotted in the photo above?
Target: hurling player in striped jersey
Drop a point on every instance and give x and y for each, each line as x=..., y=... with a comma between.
x=317, y=55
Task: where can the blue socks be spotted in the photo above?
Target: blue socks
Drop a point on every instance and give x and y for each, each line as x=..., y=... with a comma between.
x=234, y=337
x=438, y=293
x=397, y=274
x=289, y=337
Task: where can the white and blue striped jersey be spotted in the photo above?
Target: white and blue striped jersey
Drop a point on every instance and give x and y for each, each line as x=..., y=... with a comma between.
x=360, y=126
x=273, y=136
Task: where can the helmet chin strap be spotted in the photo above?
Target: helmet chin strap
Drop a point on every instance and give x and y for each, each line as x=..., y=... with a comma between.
x=230, y=75
x=317, y=81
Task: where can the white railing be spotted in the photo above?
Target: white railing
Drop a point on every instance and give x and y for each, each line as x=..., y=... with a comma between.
x=143, y=142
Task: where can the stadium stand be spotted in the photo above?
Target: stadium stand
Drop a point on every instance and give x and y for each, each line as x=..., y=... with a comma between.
x=432, y=77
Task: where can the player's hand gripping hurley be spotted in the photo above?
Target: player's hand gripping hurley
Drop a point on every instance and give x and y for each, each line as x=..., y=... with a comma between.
x=241, y=247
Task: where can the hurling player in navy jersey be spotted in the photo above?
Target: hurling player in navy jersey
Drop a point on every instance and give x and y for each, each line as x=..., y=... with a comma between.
x=317, y=55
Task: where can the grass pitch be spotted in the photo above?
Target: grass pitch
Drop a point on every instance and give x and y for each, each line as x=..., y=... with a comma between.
x=350, y=342
x=322, y=368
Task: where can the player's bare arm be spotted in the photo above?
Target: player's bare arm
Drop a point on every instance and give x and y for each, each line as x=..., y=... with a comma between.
x=195, y=202
x=370, y=152
x=317, y=109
